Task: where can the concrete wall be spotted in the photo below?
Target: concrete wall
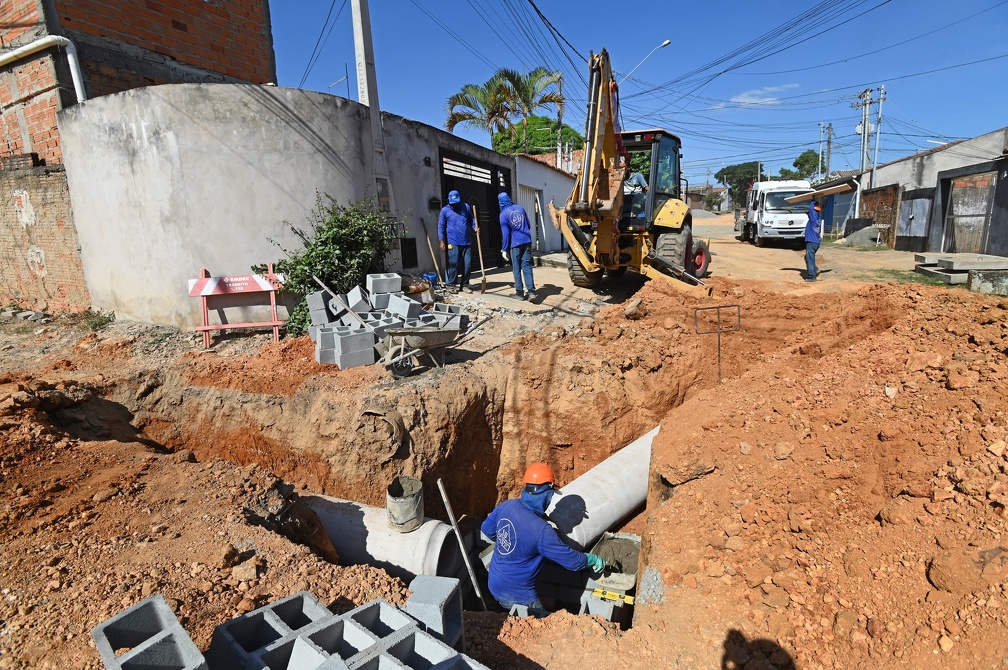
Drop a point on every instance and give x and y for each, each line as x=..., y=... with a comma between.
x=921, y=170
x=550, y=184
x=168, y=179
x=40, y=264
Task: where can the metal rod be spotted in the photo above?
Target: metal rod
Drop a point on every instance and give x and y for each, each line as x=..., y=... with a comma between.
x=458, y=536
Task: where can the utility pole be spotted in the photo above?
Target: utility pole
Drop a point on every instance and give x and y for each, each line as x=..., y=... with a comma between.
x=878, y=131
x=864, y=101
x=367, y=94
x=759, y=170
x=819, y=167
x=829, y=146
x=559, y=123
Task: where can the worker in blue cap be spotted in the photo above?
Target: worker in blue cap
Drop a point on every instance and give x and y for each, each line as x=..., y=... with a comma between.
x=516, y=245
x=455, y=228
x=812, y=241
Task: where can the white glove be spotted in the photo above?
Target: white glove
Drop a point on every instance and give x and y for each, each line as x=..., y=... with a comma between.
x=505, y=256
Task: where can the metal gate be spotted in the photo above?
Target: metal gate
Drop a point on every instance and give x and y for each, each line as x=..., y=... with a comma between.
x=478, y=183
x=967, y=220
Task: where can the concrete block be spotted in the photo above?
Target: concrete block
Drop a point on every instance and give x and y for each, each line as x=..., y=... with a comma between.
x=420, y=650
x=380, y=618
x=447, y=308
x=355, y=358
x=337, y=309
x=345, y=340
x=358, y=300
x=151, y=634
x=318, y=301
x=239, y=642
x=382, y=326
x=321, y=317
x=460, y=662
x=7, y=314
x=388, y=282
x=426, y=319
x=404, y=307
x=293, y=654
x=381, y=661
x=381, y=300
x=446, y=320
x=340, y=638
x=991, y=282
x=313, y=332
x=436, y=602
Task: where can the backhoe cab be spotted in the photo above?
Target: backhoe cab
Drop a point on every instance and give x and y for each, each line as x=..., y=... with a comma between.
x=627, y=210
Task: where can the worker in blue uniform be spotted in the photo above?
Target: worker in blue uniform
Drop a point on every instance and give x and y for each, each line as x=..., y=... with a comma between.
x=524, y=538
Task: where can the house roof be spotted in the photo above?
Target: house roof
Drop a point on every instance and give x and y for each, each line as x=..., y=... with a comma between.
x=926, y=152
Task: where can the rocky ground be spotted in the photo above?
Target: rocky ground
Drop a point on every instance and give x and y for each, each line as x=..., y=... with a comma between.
x=837, y=500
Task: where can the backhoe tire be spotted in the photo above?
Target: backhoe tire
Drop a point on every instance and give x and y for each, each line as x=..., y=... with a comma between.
x=701, y=259
x=579, y=276
x=677, y=247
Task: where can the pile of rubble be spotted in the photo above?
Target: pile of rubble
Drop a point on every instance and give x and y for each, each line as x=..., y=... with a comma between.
x=351, y=329
x=299, y=633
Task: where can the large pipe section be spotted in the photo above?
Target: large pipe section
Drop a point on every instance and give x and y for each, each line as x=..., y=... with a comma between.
x=361, y=534
x=605, y=495
x=45, y=43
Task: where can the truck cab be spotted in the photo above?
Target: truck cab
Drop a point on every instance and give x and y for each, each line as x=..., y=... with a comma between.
x=770, y=217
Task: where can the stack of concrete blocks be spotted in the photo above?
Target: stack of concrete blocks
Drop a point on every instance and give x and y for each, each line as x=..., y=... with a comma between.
x=346, y=328
x=152, y=637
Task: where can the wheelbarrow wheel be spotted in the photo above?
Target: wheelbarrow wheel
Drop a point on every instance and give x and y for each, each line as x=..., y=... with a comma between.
x=401, y=368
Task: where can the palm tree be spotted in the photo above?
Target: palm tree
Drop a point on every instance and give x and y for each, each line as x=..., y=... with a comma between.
x=531, y=92
x=484, y=107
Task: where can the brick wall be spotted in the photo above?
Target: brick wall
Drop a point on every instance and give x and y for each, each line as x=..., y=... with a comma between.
x=40, y=264
x=229, y=37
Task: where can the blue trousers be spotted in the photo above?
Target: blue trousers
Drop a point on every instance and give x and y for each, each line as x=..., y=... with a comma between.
x=521, y=265
x=810, y=265
x=459, y=265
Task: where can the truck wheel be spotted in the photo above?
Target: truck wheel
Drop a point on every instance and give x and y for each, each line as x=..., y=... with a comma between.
x=757, y=238
x=676, y=247
x=701, y=258
x=579, y=276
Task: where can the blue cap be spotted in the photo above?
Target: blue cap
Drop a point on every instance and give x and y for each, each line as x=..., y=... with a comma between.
x=453, y=198
x=504, y=200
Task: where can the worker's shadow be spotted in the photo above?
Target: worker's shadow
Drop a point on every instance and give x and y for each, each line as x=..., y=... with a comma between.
x=568, y=513
x=741, y=652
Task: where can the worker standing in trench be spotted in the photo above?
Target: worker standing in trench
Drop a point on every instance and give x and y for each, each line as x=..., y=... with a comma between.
x=523, y=539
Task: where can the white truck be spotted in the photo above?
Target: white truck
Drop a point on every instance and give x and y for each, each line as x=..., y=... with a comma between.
x=769, y=216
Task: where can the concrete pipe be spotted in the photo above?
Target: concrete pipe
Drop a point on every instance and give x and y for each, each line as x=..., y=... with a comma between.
x=361, y=534
x=605, y=495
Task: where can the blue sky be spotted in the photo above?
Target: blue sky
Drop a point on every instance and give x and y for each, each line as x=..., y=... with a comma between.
x=740, y=81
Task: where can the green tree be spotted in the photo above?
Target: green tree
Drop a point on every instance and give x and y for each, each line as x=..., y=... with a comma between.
x=531, y=92
x=711, y=199
x=806, y=165
x=542, y=137
x=738, y=178
x=344, y=244
x=483, y=107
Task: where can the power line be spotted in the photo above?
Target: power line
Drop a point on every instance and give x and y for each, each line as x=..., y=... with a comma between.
x=317, y=50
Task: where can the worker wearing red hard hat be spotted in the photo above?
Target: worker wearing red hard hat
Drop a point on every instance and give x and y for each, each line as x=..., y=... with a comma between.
x=523, y=539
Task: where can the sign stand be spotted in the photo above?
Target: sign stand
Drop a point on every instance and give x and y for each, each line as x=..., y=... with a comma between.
x=207, y=287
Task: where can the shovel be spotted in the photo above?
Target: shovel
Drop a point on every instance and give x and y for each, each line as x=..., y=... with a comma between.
x=479, y=250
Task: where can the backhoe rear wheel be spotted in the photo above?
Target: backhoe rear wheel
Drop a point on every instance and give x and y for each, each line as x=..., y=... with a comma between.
x=579, y=276
x=677, y=247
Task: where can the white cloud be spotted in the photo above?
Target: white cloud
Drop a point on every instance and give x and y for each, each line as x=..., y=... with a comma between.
x=768, y=95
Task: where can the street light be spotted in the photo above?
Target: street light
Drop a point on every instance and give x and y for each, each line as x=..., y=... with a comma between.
x=660, y=46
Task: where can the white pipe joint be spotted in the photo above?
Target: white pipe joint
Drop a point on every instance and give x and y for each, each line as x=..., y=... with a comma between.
x=45, y=43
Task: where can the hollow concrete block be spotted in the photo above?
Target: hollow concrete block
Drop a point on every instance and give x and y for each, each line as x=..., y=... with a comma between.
x=404, y=307
x=337, y=309
x=388, y=282
x=321, y=317
x=355, y=359
x=358, y=300
x=381, y=300
x=380, y=661
x=420, y=650
x=460, y=662
x=153, y=636
x=380, y=618
x=447, y=308
x=436, y=602
x=344, y=339
x=318, y=300
x=341, y=639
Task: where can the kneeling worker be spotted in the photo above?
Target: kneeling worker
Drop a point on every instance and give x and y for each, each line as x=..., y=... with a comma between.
x=524, y=538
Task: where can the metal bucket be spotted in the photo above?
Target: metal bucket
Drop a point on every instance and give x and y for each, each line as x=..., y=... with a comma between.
x=404, y=503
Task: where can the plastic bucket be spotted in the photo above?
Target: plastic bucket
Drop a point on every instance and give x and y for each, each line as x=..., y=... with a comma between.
x=404, y=503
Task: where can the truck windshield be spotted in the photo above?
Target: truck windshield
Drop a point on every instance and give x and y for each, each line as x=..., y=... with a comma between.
x=776, y=201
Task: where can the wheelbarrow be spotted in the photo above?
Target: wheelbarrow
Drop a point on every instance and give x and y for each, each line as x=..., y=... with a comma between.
x=406, y=346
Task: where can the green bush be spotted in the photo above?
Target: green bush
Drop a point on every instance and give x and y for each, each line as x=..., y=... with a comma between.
x=343, y=245
x=98, y=320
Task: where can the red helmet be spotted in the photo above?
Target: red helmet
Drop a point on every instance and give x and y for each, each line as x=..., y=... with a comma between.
x=539, y=473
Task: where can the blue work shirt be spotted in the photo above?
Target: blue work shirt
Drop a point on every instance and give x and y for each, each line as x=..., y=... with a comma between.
x=515, y=226
x=523, y=540
x=456, y=226
x=812, y=227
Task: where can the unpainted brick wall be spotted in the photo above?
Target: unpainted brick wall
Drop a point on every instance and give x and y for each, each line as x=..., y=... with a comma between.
x=40, y=263
x=230, y=37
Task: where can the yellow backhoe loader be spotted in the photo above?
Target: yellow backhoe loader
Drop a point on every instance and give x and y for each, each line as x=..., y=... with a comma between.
x=627, y=210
